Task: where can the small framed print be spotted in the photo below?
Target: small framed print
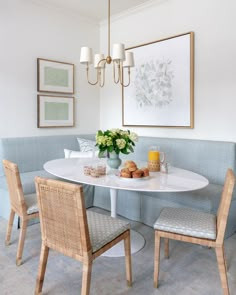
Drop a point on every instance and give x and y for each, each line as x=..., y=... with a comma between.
x=55, y=76
x=55, y=111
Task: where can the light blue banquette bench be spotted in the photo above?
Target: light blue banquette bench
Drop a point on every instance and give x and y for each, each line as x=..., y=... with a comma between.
x=208, y=158
x=30, y=154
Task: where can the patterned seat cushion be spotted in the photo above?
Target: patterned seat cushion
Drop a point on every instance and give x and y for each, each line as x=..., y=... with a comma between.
x=103, y=229
x=187, y=222
x=31, y=202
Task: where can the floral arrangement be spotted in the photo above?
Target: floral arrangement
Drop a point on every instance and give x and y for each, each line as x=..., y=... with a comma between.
x=115, y=140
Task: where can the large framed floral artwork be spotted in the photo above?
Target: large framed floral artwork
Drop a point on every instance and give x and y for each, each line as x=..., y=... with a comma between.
x=161, y=89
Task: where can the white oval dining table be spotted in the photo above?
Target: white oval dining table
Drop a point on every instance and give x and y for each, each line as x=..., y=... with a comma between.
x=176, y=180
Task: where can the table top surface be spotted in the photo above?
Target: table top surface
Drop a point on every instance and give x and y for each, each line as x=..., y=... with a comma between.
x=177, y=180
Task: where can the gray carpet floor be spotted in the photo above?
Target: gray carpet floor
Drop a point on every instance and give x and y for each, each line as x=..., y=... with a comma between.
x=190, y=270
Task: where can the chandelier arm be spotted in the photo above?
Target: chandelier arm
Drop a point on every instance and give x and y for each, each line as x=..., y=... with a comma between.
x=102, y=72
x=116, y=80
x=122, y=82
x=121, y=73
x=102, y=80
x=91, y=83
x=100, y=61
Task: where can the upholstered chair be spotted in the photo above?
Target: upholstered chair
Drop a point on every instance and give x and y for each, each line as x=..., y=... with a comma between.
x=196, y=227
x=25, y=206
x=68, y=228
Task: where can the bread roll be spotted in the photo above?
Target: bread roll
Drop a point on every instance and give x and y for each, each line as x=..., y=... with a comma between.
x=145, y=172
x=125, y=173
x=131, y=165
x=137, y=173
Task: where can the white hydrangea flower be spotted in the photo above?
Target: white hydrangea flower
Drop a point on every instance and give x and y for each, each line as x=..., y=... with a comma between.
x=121, y=143
x=108, y=141
x=114, y=131
x=133, y=136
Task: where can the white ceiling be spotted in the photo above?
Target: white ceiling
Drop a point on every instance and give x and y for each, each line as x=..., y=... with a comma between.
x=95, y=9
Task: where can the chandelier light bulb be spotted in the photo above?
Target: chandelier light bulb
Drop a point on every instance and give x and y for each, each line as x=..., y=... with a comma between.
x=129, y=60
x=118, y=52
x=86, y=55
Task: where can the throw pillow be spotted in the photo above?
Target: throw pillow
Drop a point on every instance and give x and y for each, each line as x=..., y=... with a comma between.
x=77, y=154
x=86, y=145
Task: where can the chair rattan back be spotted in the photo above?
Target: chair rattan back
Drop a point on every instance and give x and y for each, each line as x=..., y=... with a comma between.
x=15, y=187
x=64, y=228
x=18, y=206
x=224, y=206
x=63, y=217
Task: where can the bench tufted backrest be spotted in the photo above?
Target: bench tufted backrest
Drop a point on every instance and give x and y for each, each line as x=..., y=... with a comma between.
x=208, y=158
x=30, y=153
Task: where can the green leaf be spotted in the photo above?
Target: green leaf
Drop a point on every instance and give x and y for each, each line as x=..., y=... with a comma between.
x=100, y=154
x=131, y=149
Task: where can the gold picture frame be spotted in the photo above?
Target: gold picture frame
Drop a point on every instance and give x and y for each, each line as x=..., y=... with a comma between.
x=161, y=92
x=55, y=111
x=55, y=76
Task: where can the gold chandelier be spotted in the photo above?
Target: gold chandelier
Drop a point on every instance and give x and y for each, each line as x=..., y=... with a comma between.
x=120, y=58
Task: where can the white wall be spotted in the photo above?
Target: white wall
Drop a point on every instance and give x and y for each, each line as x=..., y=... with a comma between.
x=29, y=30
x=213, y=23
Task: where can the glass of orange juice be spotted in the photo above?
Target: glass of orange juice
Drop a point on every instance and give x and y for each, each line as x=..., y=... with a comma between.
x=154, y=158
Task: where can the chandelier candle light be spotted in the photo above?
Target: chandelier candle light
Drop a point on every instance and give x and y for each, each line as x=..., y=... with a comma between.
x=121, y=59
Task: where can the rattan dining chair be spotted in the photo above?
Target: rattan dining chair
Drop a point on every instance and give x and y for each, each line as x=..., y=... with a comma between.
x=25, y=206
x=196, y=227
x=68, y=228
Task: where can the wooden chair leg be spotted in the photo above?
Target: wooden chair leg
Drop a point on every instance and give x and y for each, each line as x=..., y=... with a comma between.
x=86, y=279
x=222, y=269
x=42, y=268
x=166, y=241
x=226, y=266
x=156, y=258
x=9, y=227
x=128, y=261
x=21, y=242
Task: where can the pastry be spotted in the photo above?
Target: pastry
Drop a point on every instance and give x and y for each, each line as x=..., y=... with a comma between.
x=131, y=165
x=137, y=173
x=145, y=172
x=125, y=173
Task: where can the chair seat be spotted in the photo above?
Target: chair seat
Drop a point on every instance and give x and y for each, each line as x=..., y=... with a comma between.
x=103, y=229
x=187, y=222
x=31, y=202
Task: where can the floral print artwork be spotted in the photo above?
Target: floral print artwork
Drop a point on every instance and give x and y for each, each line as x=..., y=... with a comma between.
x=153, y=83
x=161, y=88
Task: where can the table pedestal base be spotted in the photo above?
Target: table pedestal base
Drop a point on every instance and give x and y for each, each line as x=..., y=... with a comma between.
x=137, y=243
